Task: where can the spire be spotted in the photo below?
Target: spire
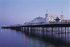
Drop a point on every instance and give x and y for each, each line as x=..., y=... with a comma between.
x=46, y=16
x=61, y=12
x=61, y=15
x=46, y=11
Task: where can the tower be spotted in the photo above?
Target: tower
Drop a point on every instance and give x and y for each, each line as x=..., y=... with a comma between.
x=46, y=16
x=61, y=16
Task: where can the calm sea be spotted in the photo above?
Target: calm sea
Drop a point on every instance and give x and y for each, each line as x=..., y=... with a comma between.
x=13, y=38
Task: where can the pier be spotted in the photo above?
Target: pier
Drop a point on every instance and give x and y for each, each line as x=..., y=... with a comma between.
x=56, y=33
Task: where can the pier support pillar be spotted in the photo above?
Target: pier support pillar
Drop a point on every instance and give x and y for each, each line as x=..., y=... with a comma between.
x=43, y=31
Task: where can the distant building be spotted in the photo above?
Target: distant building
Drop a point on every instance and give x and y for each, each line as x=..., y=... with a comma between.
x=66, y=21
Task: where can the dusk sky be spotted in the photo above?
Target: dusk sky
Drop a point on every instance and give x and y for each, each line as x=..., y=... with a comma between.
x=18, y=11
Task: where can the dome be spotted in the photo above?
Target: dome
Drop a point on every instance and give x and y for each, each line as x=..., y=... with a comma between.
x=37, y=20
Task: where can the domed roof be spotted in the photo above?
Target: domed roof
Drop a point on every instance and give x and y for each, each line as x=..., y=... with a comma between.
x=37, y=20
x=57, y=17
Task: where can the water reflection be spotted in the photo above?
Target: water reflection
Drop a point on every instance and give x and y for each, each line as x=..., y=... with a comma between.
x=12, y=38
x=51, y=46
x=24, y=39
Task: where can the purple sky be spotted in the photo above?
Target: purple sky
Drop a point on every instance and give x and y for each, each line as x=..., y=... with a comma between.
x=18, y=11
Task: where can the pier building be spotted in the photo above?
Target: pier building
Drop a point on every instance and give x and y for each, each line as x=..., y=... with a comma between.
x=49, y=18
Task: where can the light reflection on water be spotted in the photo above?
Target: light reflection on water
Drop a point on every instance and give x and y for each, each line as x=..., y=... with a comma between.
x=12, y=38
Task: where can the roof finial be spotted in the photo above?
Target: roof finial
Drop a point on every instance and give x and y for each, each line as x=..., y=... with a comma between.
x=46, y=11
x=61, y=12
x=62, y=15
